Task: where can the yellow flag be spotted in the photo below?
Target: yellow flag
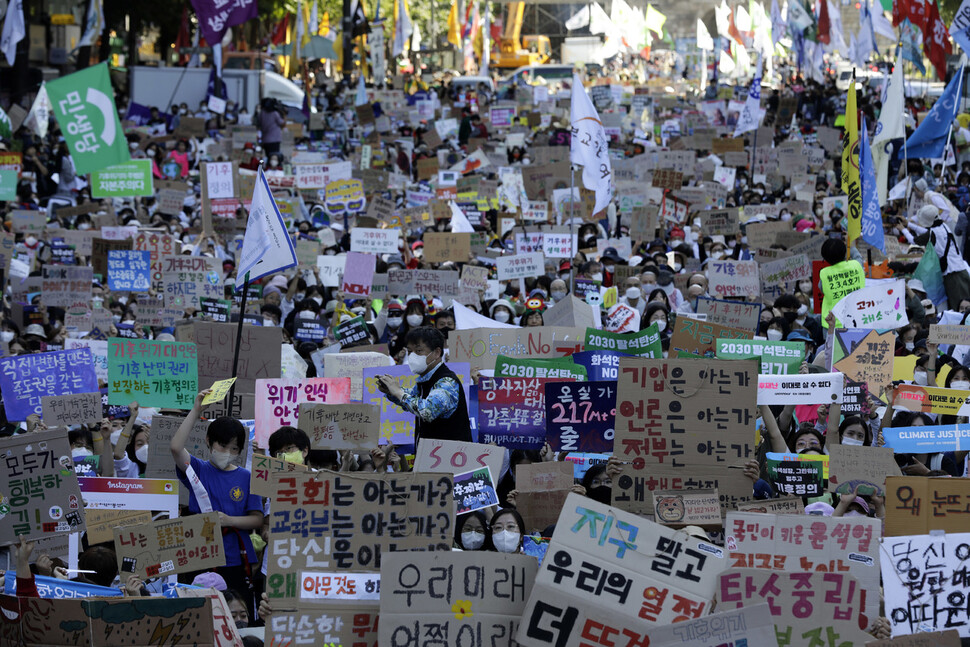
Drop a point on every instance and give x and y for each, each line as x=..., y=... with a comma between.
x=850, y=167
x=454, y=28
x=305, y=36
x=324, y=24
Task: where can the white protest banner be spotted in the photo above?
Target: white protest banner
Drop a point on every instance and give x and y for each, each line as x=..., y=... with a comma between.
x=374, y=241
x=784, y=270
x=454, y=457
x=318, y=176
x=520, y=266
x=881, y=306
x=734, y=279
x=949, y=334
x=331, y=270
x=813, y=388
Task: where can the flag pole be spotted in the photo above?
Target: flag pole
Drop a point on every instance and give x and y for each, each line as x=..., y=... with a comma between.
x=572, y=222
x=235, y=354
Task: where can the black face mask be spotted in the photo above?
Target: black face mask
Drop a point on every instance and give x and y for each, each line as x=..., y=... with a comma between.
x=602, y=494
x=790, y=316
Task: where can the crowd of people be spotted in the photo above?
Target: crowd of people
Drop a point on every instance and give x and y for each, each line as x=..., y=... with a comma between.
x=661, y=277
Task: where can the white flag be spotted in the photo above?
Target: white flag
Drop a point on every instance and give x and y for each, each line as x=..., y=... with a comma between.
x=459, y=221
x=267, y=247
x=361, y=99
x=889, y=127
x=704, y=40
x=40, y=113
x=13, y=30
x=750, y=117
x=589, y=146
x=579, y=19
x=93, y=24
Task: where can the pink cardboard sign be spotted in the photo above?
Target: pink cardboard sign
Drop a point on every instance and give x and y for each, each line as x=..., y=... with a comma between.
x=278, y=401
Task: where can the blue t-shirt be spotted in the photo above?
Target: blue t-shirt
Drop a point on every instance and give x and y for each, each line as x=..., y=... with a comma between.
x=229, y=493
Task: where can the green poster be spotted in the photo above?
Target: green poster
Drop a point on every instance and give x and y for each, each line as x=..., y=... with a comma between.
x=132, y=178
x=777, y=357
x=84, y=106
x=560, y=368
x=645, y=343
x=792, y=474
x=8, y=185
x=163, y=374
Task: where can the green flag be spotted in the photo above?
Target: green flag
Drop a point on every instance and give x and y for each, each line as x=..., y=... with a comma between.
x=84, y=106
x=928, y=271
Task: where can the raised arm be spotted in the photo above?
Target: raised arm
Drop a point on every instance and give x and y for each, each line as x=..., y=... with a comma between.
x=778, y=443
x=182, y=458
x=126, y=432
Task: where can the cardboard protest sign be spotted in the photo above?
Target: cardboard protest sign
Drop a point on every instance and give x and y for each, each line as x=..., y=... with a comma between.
x=65, y=285
x=474, y=490
x=278, y=401
x=353, y=425
x=928, y=399
x=481, y=346
x=645, y=343
x=437, y=282
x=76, y=409
x=784, y=505
x=374, y=241
x=352, y=366
x=720, y=221
x=112, y=622
x=734, y=314
x=700, y=337
x=341, y=623
x=263, y=468
x=777, y=357
x=786, y=270
x=520, y=266
x=880, y=306
x=100, y=248
x=359, y=509
x=39, y=494
x=948, y=638
x=186, y=278
x=170, y=546
x=687, y=507
x=259, y=353
x=864, y=355
x=512, y=411
x=787, y=543
x=454, y=593
x=803, y=606
x=792, y=475
x=921, y=505
x=696, y=417
x=155, y=373
x=926, y=568
x=811, y=388
x=864, y=468
x=440, y=247
x=942, y=334
x=453, y=457
x=101, y=523
x=676, y=570
x=580, y=416
x=224, y=628
x=25, y=379
x=734, y=279
x=543, y=488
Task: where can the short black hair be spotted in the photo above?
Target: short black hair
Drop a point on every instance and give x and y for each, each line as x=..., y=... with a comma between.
x=427, y=336
x=102, y=562
x=271, y=309
x=286, y=436
x=833, y=251
x=445, y=314
x=788, y=301
x=224, y=430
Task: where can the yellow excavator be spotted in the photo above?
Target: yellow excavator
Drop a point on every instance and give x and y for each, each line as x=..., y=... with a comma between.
x=512, y=54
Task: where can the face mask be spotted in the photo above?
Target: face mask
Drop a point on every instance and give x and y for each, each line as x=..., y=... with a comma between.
x=307, y=314
x=558, y=295
x=299, y=296
x=84, y=226
x=806, y=287
x=116, y=318
x=506, y=541
x=564, y=277
x=220, y=459
x=597, y=276
x=418, y=253
x=790, y=316
x=609, y=268
x=6, y=336
x=81, y=452
x=648, y=288
x=661, y=324
x=501, y=316
x=963, y=385
x=677, y=267
x=30, y=241
x=292, y=457
x=317, y=299
x=417, y=363
x=268, y=322
x=142, y=454
x=853, y=513
x=909, y=346
x=472, y=540
x=632, y=294
x=242, y=624
x=802, y=310
x=774, y=334
x=920, y=378
x=855, y=442
x=394, y=322
x=415, y=320
x=785, y=217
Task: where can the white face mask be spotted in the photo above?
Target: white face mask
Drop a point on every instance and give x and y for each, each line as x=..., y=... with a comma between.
x=785, y=217
x=81, y=452
x=299, y=296
x=268, y=322
x=84, y=226
x=417, y=363
x=677, y=267
x=472, y=540
x=30, y=241
x=632, y=293
x=6, y=336
x=853, y=513
x=647, y=288
x=802, y=310
x=920, y=378
x=506, y=541
x=116, y=318
x=564, y=277
x=142, y=453
x=307, y=314
x=661, y=324
x=394, y=322
x=774, y=334
x=963, y=385
x=415, y=320
x=909, y=345
x=501, y=316
x=317, y=299
x=597, y=276
x=854, y=442
x=558, y=296
x=220, y=459
x=609, y=268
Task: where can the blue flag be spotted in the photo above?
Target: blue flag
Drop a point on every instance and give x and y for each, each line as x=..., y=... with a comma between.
x=929, y=140
x=909, y=45
x=871, y=217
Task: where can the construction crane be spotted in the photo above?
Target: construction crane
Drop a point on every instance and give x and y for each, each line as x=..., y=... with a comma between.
x=532, y=50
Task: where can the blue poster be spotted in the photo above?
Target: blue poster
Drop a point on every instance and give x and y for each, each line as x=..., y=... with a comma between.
x=129, y=271
x=51, y=587
x=600, y=364
x=928, y=439
x=24, y=379
x=581, y=416
x=474, y=490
